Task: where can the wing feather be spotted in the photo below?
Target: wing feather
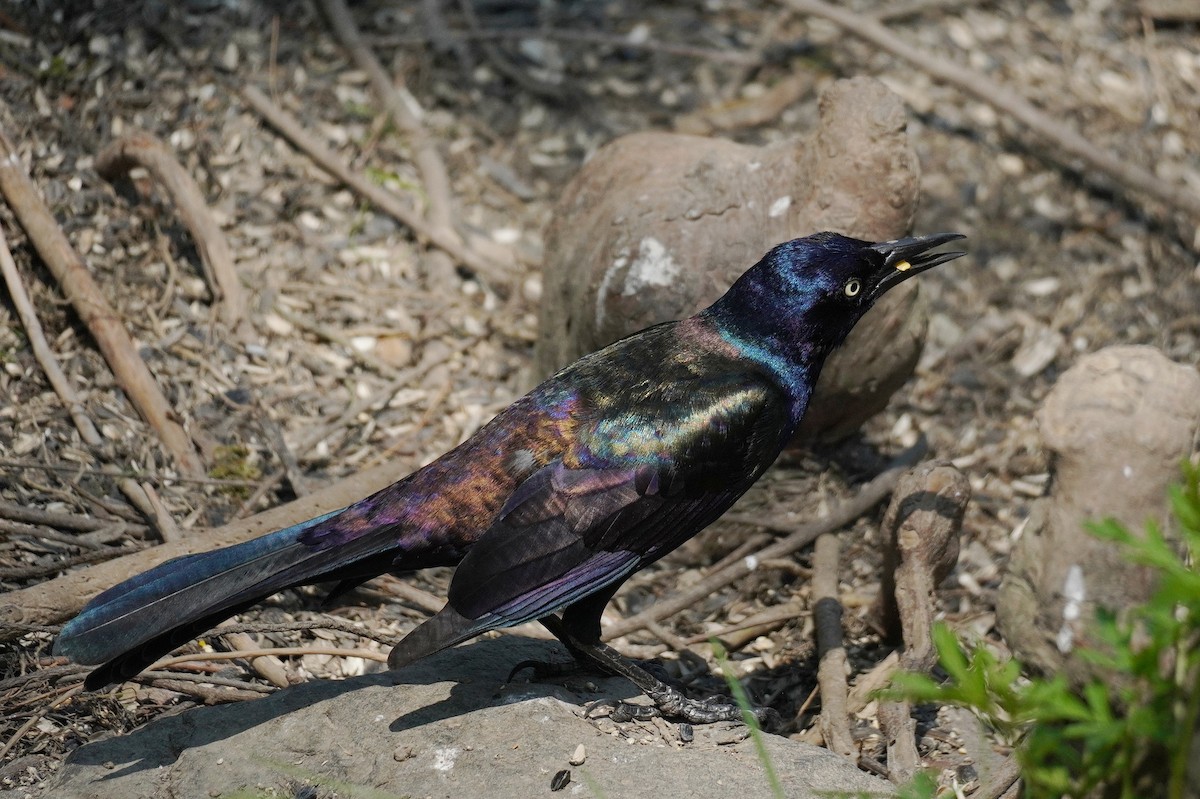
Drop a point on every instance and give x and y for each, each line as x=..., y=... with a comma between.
x=608, y=508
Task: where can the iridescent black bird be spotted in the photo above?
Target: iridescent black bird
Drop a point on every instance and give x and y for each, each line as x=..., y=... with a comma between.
x=596, y=473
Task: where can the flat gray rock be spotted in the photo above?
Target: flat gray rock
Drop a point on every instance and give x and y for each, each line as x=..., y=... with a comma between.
x=447, y=726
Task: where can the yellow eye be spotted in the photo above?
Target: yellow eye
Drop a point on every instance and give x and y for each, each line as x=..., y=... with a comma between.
x=853, y=286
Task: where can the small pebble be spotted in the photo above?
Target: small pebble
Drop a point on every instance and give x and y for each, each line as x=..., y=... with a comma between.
x=579, y=756
x=561, y=780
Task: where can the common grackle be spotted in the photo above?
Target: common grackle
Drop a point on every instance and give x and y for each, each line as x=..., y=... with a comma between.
x=596, y=473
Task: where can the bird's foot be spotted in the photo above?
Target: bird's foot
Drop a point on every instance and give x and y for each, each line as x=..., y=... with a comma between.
x=671, y=703
x=667, y=700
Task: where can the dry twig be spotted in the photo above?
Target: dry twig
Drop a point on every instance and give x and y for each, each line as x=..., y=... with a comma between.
x=54, y=373
x=402, y=107
x=88, y=300
x=141, y=149
x=832, y=668
x=281, y=651
x=269, y=667
x=41, y=349
x=35, y=718
x=920, y=534
x=859, y=697
x=388, y=202
x=159, y=516
x=614, y=40
x=735, y=636
x=1068, y=142
x=327, y=623
x=194, y=685
x=410, y=593
x=58, y=519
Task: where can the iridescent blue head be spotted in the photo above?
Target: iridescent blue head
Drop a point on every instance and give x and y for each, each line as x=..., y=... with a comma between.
x=802, y=299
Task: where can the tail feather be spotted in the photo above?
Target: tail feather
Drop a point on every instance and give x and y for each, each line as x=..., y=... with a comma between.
x=443, y=629
x=129, y=626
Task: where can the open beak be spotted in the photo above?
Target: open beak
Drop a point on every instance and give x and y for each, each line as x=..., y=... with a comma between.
x=904, y=258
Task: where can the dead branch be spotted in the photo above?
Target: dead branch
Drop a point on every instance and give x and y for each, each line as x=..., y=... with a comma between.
x=327, y=623
x=151, y=677
x=867, y=497
x=1002, y=779
x=58, y=519
x=402, y=107
x=100, y=318
x=115, y=508
x=735, y=636
x=159, y=516
x=860, y=695
x=93, y=540
x=920, y=535
x=622, y=42
x=108, y=554
x=194, y=685
x=281, y=651
x=388, y=202
x=832, y=668
x=396, y=587
x=144, y=150
x=1068, y=142
x=269, y=667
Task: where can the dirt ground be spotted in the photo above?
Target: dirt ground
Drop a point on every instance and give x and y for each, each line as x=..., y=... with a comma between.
x=362, y=347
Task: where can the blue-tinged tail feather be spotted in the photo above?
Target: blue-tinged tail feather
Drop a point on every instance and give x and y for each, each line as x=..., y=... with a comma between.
x=132, y=624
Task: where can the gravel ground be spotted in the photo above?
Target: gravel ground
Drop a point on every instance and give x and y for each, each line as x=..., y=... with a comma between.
x=362, y=347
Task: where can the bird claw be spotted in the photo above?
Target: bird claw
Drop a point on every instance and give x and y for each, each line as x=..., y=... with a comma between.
x=621, y=711
x=671, y=703
x=715, y=709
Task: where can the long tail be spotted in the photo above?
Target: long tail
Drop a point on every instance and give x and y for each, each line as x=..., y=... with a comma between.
x=132, y=624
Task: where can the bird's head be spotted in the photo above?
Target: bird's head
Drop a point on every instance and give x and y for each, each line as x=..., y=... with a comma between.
x=806, y=295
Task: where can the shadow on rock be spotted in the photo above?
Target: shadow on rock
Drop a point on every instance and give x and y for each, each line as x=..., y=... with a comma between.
x=474, y=672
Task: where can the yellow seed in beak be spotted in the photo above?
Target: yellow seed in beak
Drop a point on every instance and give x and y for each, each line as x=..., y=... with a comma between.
x=903, y=266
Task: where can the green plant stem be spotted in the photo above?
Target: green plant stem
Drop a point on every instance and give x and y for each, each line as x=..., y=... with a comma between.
x=743, y=702
x=1191, y=715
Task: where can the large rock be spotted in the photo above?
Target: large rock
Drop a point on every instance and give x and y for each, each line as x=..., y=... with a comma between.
x=451, y=728
x=658, y=225
x=1116, y=426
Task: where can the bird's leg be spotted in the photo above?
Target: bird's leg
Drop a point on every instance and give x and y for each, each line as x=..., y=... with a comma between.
x=581, y=661
x=668, y=700
x=543, y=670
